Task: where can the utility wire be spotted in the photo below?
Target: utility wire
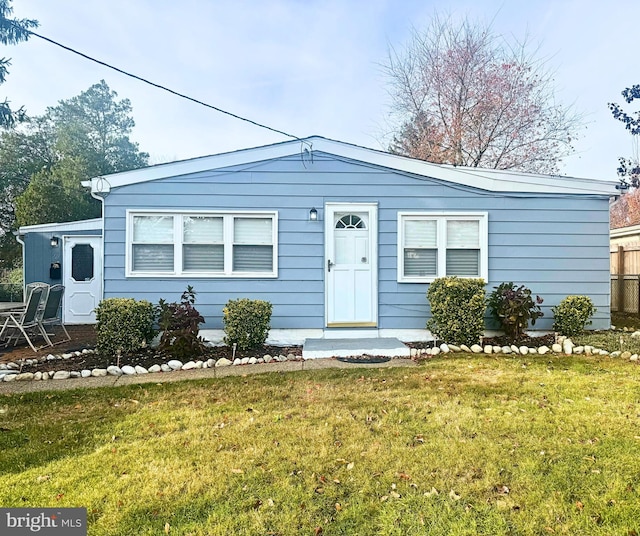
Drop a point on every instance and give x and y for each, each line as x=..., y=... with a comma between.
x=164, y=88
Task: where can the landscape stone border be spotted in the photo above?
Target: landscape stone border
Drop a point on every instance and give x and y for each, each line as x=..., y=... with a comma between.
x=563, y=345
x=12, y=371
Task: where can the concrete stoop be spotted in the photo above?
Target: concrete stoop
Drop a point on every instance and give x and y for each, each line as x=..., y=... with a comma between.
x=382, y=346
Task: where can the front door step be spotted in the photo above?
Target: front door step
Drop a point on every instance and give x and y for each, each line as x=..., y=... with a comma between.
x=321, y=348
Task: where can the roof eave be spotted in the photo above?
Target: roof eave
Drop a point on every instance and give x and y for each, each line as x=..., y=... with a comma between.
x=490, y=180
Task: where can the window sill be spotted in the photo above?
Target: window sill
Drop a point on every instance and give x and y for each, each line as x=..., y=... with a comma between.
x=432, y=279
x=202, y=275
x=417, y=279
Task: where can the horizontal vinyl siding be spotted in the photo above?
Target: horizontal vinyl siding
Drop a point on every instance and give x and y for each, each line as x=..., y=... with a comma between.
x=554, y=245
x=39, y=255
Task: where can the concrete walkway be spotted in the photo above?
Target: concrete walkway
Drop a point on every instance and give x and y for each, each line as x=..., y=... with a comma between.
x=195, y=374
x=375, y=346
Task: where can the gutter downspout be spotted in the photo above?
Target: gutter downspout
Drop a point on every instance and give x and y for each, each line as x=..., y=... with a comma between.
x=95, y=193
x=22, y=245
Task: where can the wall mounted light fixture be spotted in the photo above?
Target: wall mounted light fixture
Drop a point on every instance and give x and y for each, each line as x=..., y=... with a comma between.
x=54, y=241
x=313, y=214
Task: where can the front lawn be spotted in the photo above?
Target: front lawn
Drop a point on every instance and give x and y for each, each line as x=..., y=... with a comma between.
x=465, y=444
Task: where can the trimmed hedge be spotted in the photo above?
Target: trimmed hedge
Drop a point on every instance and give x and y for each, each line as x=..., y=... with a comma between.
x=457, y=309
x=247, y=322
x=572, y=314
x=124, y=325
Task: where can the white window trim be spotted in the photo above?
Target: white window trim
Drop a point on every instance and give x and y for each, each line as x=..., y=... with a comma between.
x=177, y=232
x=441, y=218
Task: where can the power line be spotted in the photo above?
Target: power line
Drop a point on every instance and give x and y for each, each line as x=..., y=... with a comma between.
x=164, y=88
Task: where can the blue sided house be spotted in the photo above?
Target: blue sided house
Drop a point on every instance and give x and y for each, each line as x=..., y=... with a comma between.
x=341, y=239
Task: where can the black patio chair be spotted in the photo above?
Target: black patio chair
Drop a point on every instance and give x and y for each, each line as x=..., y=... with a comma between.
x=18, y=323
x=52, y=313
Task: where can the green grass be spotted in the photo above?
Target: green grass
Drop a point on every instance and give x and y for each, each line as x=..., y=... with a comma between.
x=609, y=340
x=496, y=445
x=614, y=340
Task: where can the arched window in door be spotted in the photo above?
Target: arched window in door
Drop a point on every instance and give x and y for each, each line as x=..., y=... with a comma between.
x=350, y=221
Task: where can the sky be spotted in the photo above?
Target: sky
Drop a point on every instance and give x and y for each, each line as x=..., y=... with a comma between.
x=307, y=67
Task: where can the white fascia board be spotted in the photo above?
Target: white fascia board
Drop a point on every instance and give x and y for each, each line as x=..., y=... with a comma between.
x=94, y=224
x=195, y=165
x=574, y=184
x=625, y=231
x=489, y=180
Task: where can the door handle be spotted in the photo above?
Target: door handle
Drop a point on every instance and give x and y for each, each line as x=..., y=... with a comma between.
x=329, y=265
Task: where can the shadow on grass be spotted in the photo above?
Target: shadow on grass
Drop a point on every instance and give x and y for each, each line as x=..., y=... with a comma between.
x=40, y=428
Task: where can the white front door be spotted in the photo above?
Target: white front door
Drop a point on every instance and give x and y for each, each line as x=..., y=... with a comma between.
x=82, y=275
x=351, y=265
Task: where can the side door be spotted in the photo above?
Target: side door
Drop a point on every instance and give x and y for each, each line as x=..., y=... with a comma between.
x=82, y=278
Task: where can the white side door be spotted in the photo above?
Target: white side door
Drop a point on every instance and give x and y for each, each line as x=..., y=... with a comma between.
x=82, y=277
x=351, y=265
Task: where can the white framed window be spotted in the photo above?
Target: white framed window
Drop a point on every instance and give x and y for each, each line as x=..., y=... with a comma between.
x=202, y=243
x=432, y=245
x=207, y=244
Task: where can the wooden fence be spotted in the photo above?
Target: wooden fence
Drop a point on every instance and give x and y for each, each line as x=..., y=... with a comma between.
x=625, y=259
x=625, y=278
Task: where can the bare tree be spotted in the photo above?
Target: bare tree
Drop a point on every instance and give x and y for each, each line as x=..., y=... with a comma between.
x=629, y=168
x=465, y=96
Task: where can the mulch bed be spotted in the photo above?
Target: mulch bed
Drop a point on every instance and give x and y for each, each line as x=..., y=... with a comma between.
x=83, y=337
x=364, y=359
x=528, y=341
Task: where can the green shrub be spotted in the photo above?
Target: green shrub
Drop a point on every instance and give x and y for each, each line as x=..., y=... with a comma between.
x=180, y=325
x=513, y=307
x=15, y=277
x=572, y=315
x=123, y=326
x=11, y=286
x=457, y=309
x=247, y=322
